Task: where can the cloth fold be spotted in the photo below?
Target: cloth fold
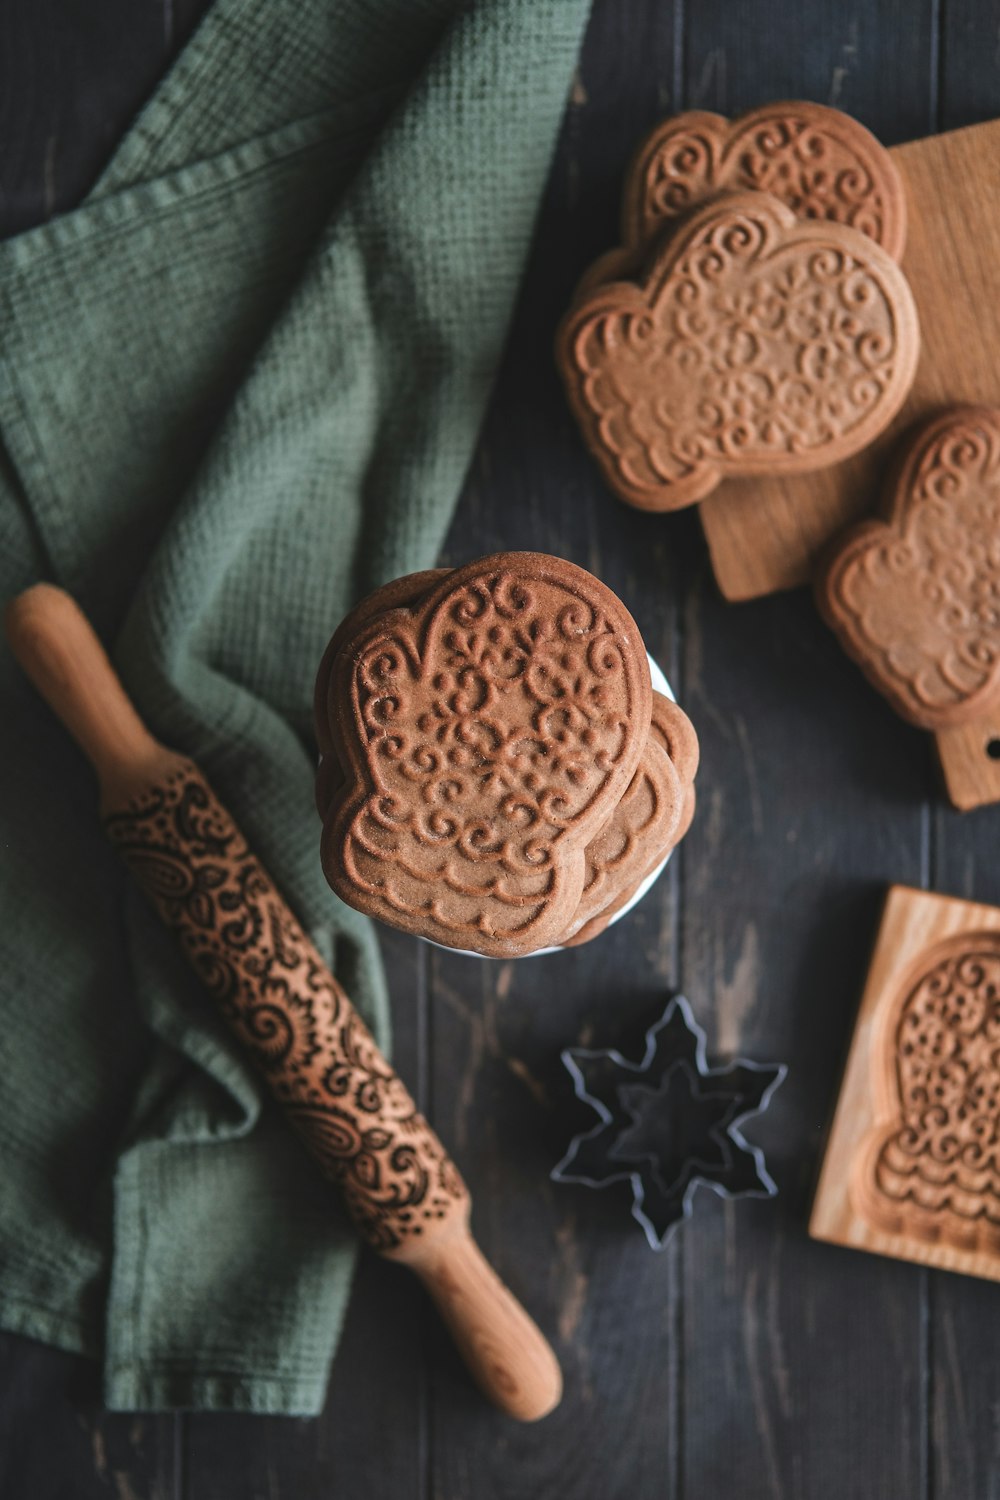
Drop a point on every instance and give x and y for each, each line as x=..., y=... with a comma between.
x=239, y=387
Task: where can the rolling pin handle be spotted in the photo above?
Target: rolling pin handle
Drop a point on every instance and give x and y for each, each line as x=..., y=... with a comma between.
x=505, y=1352
x=57, y=647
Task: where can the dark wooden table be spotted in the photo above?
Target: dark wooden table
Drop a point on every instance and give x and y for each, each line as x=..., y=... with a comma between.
x=744, y=1360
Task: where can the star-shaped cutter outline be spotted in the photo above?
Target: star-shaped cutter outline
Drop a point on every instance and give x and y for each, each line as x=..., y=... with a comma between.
x=689, y=1031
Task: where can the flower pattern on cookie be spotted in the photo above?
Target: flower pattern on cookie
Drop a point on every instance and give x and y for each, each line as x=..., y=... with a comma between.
x=484, y=736
x=756, y=344
x=818, y=161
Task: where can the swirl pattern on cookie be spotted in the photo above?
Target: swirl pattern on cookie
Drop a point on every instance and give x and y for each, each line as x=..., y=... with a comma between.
x=933, y=1166
x=755, y=344
x=484, y=735
x=915, y=598
x=818, y=161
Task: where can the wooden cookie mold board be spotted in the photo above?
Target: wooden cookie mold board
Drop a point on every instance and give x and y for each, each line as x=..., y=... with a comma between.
x=920, y=935
x=763, y=535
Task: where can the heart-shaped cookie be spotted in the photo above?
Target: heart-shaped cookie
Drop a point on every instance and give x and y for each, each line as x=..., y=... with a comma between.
x=932, y=1167
x=818, y=161
x=756, y=343
x=484, y=734
x=915, y=598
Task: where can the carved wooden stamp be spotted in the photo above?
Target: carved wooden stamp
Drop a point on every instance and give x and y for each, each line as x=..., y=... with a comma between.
x=915, y=597
x=756, y=343
x=912, y=1167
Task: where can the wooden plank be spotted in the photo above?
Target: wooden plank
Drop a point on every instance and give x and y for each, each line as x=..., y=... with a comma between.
x=970, y=762
x=874, y=61
x=803, y=1366
x=766, y=536
x=964, y=1383
x=70, y=81
x=371, y=1438
x=829, y=53
x=876, y=1192
x=56, y=1441
x=794, y=1355
x=804, y=1369
x=501, y=1098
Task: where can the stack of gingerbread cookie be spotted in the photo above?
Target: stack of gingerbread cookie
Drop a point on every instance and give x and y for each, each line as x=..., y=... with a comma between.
x=755, y=320
x=497, y=773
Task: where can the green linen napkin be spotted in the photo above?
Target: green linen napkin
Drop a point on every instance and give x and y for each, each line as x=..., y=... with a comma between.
x=239, y=387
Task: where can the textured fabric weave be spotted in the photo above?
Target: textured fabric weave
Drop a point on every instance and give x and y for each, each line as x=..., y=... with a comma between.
x=239, y=387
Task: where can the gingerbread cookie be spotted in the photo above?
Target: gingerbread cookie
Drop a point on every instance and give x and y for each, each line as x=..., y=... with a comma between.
x=650, y=820
x=756, y=343
x=915, y=598
x=398, y=593
x=818, y=161
x=485, y=735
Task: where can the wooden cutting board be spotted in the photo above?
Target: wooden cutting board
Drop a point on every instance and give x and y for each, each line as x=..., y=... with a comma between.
x=764, y=535
x=912, y=1167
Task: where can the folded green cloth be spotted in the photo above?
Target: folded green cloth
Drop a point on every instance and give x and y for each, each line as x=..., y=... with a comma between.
x=239, y=387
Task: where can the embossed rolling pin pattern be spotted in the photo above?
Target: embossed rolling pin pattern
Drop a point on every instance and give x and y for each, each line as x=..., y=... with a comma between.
x=317, y=1057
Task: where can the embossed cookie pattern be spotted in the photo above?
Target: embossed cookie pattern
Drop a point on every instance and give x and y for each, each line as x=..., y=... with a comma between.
x=819, y=162
x=651, y=818
x=756, y=344
x=915, y=599
x=485, y=736
x=932, y=1168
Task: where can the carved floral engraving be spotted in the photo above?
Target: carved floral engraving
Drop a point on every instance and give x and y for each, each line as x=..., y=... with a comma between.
x=933, y=1167
x=915, y=599
x=756, y=344
x=318, y=1058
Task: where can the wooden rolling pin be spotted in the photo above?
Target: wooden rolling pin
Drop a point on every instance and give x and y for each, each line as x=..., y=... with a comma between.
x=316, y=1055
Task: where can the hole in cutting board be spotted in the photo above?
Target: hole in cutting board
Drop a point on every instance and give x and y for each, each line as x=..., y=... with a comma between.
x=993, y=748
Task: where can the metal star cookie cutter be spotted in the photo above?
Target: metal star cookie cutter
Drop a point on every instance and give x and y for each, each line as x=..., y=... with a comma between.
x=669, y=1123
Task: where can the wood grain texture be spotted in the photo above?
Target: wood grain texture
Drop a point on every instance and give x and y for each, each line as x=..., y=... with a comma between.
x=69, y=83
x=377, y=1385
x=794, y=1358
x=767, y=536
x=747, y=1359
x=920, y=936
x=969, y=756
x=963, y=1392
